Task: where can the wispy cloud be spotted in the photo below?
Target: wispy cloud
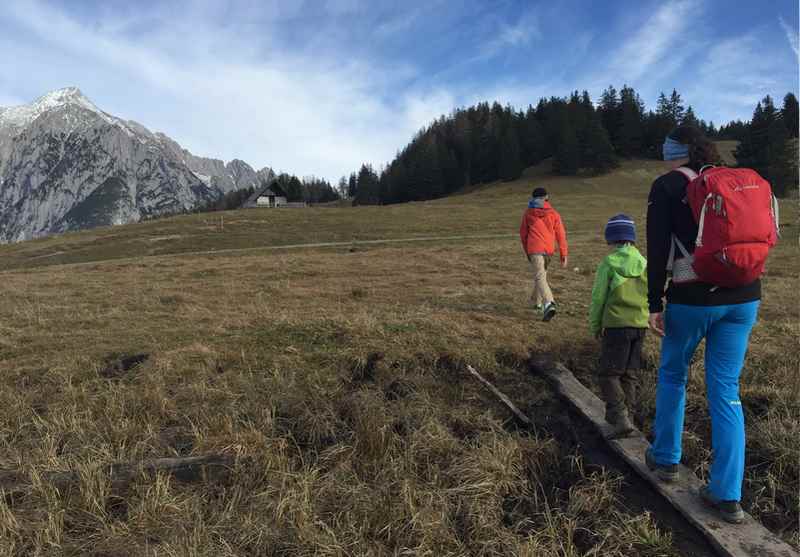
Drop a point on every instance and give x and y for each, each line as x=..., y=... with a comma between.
x=791, y=36
x=733, y=77
x=660, y=39
x=398, y=24
x=320, y=87
x=231, y=94
x=511, y=36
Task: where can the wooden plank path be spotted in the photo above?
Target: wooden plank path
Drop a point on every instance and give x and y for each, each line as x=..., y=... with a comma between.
x=732, y=540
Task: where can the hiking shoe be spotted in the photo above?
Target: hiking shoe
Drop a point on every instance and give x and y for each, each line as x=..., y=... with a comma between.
x=549, y=311
x=730, y=511
x=664, y=472
x=621, y=426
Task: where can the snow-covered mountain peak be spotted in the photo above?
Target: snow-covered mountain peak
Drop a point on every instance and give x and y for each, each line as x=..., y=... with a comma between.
x=22, y=116
x=64, y=96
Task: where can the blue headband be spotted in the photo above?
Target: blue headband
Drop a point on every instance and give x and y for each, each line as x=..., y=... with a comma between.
x=673, y=150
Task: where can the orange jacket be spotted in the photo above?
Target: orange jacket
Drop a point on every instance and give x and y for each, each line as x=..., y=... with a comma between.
x=541, y=229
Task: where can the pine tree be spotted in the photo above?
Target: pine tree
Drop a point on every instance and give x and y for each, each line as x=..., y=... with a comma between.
x=766, y=147
x=452, y=176
x=663, y=107
x=352, y=186
x=429, y=173
x=782, y=158
x=611, y=113
x=463, y=140
x=733, y=130
x=294, y=190
x=486, y=142
x=676, y=109
x=510, y=163
x=658, y=124
x=568, y=157
x=751, y=142
x=367, y=186
x=711, y=130
x=597, y=152
x=630, y=133
x=486, y=153
x=532, y=139
x=789, y=113
x=689, y=118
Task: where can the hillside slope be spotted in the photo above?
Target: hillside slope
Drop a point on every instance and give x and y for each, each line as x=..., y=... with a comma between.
x=492, y=208
x=335, y=377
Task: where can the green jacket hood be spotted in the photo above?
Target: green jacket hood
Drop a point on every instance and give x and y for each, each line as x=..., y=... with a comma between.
x=619, y=293
x=627, y=262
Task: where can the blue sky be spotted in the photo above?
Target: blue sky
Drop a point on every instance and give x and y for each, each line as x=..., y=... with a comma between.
x=317, y=87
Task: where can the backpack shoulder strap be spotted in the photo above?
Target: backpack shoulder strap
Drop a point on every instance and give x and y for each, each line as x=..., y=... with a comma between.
x=687, y=172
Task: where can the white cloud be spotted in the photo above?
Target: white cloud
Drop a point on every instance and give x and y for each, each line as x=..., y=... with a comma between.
x=515, y=36
x=426, y=109
x=657, y=42
x=721, y=77
x=229, y=95
x=304, y=86
x=791, y=35
x=735, y=75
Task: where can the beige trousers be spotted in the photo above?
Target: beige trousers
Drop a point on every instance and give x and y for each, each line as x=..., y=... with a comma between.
x=541, y=290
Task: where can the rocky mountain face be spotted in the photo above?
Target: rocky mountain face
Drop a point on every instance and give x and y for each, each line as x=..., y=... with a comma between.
x=67, y=165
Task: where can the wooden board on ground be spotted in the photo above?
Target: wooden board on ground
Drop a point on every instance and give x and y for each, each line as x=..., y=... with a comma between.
x=734, y=540
x=505, y=400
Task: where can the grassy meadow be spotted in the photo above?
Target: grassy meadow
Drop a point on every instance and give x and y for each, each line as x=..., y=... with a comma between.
x=336, y=378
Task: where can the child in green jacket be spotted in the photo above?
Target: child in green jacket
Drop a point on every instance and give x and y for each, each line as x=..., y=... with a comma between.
x=618, y=316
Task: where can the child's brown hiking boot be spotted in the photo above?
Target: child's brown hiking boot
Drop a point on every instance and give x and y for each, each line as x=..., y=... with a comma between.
x=621, y=424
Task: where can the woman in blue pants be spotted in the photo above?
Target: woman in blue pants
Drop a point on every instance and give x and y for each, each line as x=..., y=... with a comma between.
x=695, y=311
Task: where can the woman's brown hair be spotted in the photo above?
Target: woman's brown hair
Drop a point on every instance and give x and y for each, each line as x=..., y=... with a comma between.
x=702, y=151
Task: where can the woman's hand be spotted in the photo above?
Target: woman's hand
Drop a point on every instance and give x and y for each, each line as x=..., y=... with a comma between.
x=656, y=323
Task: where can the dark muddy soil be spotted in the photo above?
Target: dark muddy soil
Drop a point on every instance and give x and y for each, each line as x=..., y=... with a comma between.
x=557, y=418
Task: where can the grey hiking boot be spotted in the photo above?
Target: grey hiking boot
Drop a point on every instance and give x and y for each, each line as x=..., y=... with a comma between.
x=549, y=311
x=622, y=425
x=664, y=472
x=730, y=511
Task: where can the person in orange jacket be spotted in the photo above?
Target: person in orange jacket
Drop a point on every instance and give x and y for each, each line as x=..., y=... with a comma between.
x=540, y=231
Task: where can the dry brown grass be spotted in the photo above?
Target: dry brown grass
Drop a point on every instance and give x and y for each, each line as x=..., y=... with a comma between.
x=267, y=356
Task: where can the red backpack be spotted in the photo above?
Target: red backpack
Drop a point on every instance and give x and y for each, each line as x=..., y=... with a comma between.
x=737, y=219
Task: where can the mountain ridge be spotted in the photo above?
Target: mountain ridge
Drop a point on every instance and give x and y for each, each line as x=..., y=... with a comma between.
x=61, y=151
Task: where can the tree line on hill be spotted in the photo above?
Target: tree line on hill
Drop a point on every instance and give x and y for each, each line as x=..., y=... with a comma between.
x=485, y=143
x=310, y=190
x=768, y=143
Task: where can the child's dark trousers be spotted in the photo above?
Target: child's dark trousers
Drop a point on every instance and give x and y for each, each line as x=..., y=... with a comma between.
x=620, y=360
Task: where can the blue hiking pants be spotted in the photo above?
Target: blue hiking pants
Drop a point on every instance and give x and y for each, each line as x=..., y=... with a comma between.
x=727, y=331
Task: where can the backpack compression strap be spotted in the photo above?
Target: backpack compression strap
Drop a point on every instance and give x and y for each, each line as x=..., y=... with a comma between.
x=690, y=175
